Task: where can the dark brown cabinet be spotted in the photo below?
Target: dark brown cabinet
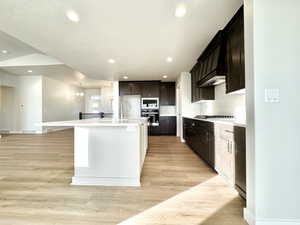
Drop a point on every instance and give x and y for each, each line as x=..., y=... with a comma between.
x=144, y=88
x=154, y=130
x=199, y=135
x=240, y=159
x=212, y=61
x=235, y=53
x=167, y=125
x=150, y=89
x=130, y=88
x=222, y=146
x=167, y=93
x=200, y=93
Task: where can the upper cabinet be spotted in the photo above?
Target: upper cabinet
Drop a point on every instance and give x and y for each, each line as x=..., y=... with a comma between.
x=147, y=89
x=150, y=89
x=212, y=66
x=130, y=88
x=200, y=93
x=235, y=53
x=167, y=93
x=222, y=60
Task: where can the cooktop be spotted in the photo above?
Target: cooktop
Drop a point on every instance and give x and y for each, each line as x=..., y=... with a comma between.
x=213, y=117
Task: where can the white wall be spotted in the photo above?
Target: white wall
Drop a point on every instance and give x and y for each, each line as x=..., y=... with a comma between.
x=272, y=61
x=8, y=109
x=183, y=101
x=60, y=102
x=116, y=100
x=21, y=103
x=188, y=108
x=103, y=104
x=8, y=80
x=29, y=100
x=225, y=104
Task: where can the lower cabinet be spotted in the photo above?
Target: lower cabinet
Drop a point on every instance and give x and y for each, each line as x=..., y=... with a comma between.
x=167, y=125
x=222, y=146
x=224, y=150
x=154, y=130
x=240, y=160
x=199, y=135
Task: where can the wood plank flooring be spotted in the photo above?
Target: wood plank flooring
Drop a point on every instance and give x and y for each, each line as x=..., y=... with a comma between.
x=177, y=187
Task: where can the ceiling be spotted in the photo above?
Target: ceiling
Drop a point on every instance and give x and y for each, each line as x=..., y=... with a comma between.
x=21, y=58
x=138, y=34
x=58, y=72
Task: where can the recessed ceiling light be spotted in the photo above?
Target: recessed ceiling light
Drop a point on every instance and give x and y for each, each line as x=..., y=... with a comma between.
x=73, y=16
x=180, y=11
x=165, y=76
x=29, y=71
x=112, y=61
x=169, y=59
x=4, y=51
x=125, y=77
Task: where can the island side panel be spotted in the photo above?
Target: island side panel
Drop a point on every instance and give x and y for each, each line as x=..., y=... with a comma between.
x=107, y=156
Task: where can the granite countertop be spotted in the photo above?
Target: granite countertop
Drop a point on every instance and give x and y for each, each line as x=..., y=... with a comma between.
x=105, y=122
x=221, y=120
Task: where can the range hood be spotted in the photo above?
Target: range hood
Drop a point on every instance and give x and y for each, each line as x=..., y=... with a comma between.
x=213, y=81
x=212, y=62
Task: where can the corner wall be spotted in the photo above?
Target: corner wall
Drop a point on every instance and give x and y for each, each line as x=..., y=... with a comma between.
x=272, y=62
x=21, y=103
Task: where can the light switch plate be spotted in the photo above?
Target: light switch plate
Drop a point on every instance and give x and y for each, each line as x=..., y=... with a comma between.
x=272, y=95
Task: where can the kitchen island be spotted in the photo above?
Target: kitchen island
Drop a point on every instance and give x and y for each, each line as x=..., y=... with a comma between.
x=107, y=152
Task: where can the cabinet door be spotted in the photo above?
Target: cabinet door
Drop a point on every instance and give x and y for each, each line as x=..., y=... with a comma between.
x=172, y=125
x=203, y=136
x=235, y=59
x=224, y=152
x=135, y=88
x=164, y=95
x=164, y=125
x=150, y=89
x=124, y=88
x=154, y=130
x=172, y=94
x=240, y=157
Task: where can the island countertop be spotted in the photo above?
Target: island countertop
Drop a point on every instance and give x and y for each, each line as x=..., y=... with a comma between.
x=105, y=122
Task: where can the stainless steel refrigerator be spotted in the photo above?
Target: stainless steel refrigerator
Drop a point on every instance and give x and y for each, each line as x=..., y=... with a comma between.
x=130, y=107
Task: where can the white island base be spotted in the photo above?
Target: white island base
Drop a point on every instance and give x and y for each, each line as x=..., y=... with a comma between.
x=108, y=153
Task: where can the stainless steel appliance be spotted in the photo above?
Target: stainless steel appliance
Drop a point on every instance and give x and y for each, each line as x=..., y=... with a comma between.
x=150, y=103
x=214, y=117
x=153, y=115
x=130, y=106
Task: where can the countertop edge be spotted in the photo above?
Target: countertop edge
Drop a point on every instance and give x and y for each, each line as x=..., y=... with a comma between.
x=218, y=121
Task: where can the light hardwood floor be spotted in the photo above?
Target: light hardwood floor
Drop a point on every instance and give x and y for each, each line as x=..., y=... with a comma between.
x=177, y=187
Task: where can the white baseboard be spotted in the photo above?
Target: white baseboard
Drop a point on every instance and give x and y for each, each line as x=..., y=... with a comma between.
x=21, y=132
x=103, y=181
x=249, y=217
x=251, y=220
x=49, y=130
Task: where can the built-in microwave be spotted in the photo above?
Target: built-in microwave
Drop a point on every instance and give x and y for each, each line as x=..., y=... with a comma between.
x=150, y=103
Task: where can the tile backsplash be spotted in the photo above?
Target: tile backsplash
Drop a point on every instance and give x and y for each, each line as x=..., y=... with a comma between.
x=225, y=104
x=167, y=110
